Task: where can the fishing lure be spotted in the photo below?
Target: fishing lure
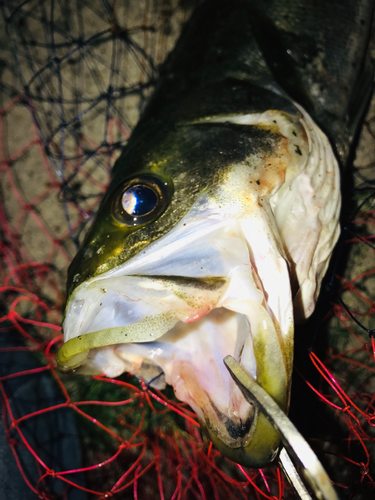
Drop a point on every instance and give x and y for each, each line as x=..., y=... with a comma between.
x=223, y=210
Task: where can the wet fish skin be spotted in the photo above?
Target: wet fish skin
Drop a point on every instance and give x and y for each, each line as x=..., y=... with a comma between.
x=220, y=69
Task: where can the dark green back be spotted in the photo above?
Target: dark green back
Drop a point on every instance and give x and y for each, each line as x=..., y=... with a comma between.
x=313, y=50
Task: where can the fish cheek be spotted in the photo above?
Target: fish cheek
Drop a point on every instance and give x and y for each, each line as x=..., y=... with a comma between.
x=100, y=252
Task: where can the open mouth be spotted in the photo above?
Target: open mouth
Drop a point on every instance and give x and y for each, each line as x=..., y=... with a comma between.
x=209, y=319
x=177, y=330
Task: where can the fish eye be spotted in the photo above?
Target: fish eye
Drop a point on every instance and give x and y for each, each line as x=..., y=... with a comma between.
x=140, y=200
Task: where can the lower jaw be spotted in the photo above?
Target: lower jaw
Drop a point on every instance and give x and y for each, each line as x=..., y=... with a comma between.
x=260, y=446
x=261, y=443
x=261, y=450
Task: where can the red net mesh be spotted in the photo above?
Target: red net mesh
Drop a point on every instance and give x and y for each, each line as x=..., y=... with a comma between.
x=62, y=124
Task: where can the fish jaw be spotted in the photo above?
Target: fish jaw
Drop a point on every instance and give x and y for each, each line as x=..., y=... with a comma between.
x=189, y=356
x=181, y=328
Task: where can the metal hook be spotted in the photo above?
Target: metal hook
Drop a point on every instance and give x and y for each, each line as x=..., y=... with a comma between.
x=296, y=449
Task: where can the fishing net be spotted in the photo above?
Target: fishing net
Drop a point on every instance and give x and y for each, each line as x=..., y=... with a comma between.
x=75, y=76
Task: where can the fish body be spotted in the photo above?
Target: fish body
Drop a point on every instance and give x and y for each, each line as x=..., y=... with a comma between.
x=223, y=210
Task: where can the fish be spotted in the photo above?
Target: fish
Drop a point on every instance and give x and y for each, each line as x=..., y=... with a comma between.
x=223, y=211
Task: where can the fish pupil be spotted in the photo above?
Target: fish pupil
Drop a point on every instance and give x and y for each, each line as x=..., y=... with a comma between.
x=139, y=200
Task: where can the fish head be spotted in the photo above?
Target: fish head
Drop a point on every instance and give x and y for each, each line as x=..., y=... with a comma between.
x=212, y=234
